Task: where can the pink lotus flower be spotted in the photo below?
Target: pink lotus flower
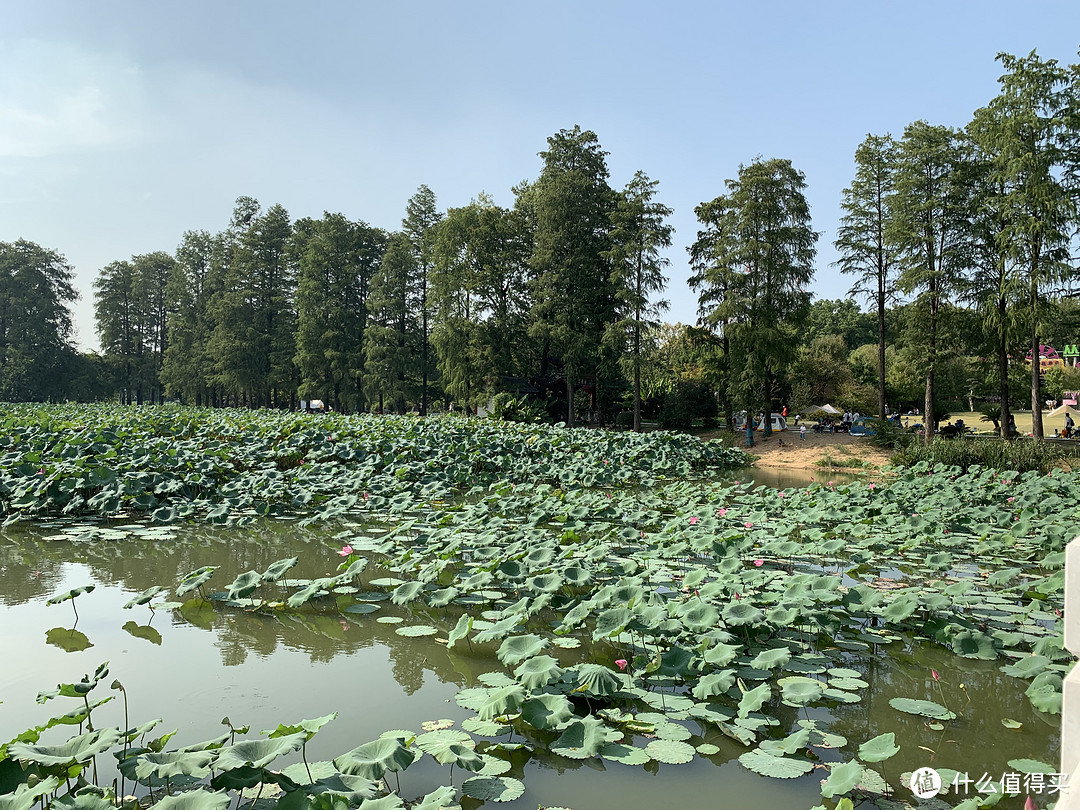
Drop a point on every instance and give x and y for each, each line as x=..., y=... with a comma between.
x=721, y=512
x=693, y=521
x=748, y=525
x=643, y=534
x=758, y=563
x=365, y=496
x=934, y=675
x=620, y=663
x=1029, y=803
x=781, y=494
x=872, y=485
x=1010, y=500
x=345, y=551
x=737, y=597
x=830, y=483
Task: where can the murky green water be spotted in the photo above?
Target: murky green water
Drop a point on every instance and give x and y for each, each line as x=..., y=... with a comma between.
x=195, y=666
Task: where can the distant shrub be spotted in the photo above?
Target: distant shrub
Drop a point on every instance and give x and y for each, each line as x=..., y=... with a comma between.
x=1022, y=455
x=686, y=401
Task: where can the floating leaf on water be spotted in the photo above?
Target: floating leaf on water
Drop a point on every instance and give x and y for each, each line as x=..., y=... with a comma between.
x=670, y=752
x=922, y=708
x=842, y=778
x=484, y=728
x=1010, y=723
x=879, y=748
x=361, y=609
x=493, y=788
x=708, y=749
x=195, y=800
x=777, y=767
x=1031, y=766
x=390, y=620
x=416, y=630
x=624, y=753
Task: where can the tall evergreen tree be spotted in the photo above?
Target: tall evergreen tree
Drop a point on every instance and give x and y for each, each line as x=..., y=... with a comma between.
x=195, y=278
x=865, y=252
x=336, y=261
x=758, y=269
x=573, y=297
x=421, y=218
x=639, y=232
x=929, y=226
x=392, y=348
x=35, y=323
x=1025, y=131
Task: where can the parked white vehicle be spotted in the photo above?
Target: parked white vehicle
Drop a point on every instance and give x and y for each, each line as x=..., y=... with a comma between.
x=778, y=422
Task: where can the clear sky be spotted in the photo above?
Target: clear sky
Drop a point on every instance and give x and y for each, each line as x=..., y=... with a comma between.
x=125, y=123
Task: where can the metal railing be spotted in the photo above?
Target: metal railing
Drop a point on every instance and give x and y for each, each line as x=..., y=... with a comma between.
x=1070, y=708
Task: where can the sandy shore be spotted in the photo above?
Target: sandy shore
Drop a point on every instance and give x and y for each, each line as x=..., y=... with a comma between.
x=837, y=451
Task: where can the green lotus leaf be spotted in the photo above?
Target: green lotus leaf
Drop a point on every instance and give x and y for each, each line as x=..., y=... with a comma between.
x=143, y=597
x=722, y=654
x=771, y=659
x=782, y=616
x=355, y=569
x=68, y=639
x=848, y=684
x=583, y=738
x=309, y=728
x=754, y=699
x=460, y=631
x=493, y=788
x=257, y=753
x=243, y=585
x=195, y=800
x=612, y=622
x=436, y=800
x=842, y=778
x=699, y=617
x=879, y=748
x=277, y=570
x=670, y=752
x=1031, y=766
x=671, y=731
x=372, y=760
x=840, y=695
x=1045, y=692
x=777, y=767
x=499, y=702
x=406, y=592
x=595, y=679
x=789, y=745
x=196, y=578
x=538, y=672
x=900, y=608
x=485, y=728
x=740, y=613
x=25, y=797
x=1027, y=667
x=922, y=708
x=516, y=649
x=72, y=594
x=448, y=746
x=577, y=577
x=974, y=644
x=416, y=630
x=442, y=598
x=361, y=609
x=546, y=583
x=715, y=683
x=1008, y=722
x=80, y=748
x=625, y=754
x=500, y=629
x=169, y=765
x=547, y=711
x=676, y=661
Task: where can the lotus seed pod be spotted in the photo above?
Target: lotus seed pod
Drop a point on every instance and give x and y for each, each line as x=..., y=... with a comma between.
x=130, y=803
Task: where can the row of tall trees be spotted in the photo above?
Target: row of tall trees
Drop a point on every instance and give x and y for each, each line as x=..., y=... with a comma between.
x=459, y=304
x=982, y=216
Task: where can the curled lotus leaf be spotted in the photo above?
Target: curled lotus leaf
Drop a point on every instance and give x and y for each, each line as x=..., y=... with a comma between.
x=595, y=679
x=722, y=654
x=372, y=760
x=277, y=570
x=1027, y=667
x=516, y=649
x=436, y=800
x=612, y=622
x=754, y=699
x=842, y=778
x=80, y=748
x=1045, y=692
x=778, y=767
x=789, y=745
x=195, y=579
x=800, y=691
x=257, y=753
x=501, y=701
x=460, y=631
x=547, y=712
x=442, y=597
x=171, y=764
x=406, y=592
x=715, y=683
x=244, y=585
x=68, y=595
x=144, y=597
x=538, y=671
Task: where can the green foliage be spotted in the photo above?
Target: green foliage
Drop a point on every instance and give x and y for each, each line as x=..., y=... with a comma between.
x=1023, y=455
x=686, y=401
x=517, y=408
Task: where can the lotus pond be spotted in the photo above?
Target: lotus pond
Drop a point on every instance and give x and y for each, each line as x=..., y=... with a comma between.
x=491, y=629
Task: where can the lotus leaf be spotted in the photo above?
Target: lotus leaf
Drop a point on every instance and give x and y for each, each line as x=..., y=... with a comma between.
x=437, y=799
x=72, y=594
x=771, y=659
x=502, y=701
x=922, y=708
x=842, y=778
x=583, y=738
x=493, y=788
x=595, y=679
x=879, y=748
x=778, y=767
x=485, y=728
x=670, y=752
x=416, y=630
x=742, y=613
x=460, y=631
x=166, y=766
x=144, y=597
x=538, y=672
x=81, y=748
x=277, y=570
x=195, y=800
x=547, y=711
x=195, y=579
x=372, y=760
x=244, y=584
x=625, y=754
x=754, y=699
x=722, y=654
x=1045, y=692
x=406, y=592
x=516, y=649
x=715, y=683
x=257, y=753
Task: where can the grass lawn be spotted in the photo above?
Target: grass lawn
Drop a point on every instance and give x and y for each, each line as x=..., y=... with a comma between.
x=973, y=420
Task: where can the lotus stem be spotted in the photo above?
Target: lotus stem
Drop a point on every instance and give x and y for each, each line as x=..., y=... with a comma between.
x=303, y=754
x=257, y=795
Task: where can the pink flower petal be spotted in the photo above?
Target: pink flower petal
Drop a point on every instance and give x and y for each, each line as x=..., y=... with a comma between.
x=693, y=520
x=620, y=663
x=345, y=551
x=748, y=525
x=759, y=563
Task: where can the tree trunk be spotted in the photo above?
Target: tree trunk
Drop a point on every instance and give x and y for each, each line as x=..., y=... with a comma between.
x=1036, y=383
x=1003, y=375
x=569, y=401
x=881, y=350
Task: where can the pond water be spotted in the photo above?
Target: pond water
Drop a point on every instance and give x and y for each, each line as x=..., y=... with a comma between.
x=194, y=666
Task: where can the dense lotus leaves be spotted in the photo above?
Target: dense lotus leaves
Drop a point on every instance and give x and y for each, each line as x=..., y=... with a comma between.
x=195, y=800
x=372, y=760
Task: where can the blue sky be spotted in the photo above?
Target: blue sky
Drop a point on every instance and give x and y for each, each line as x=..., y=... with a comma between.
x=123, y=124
